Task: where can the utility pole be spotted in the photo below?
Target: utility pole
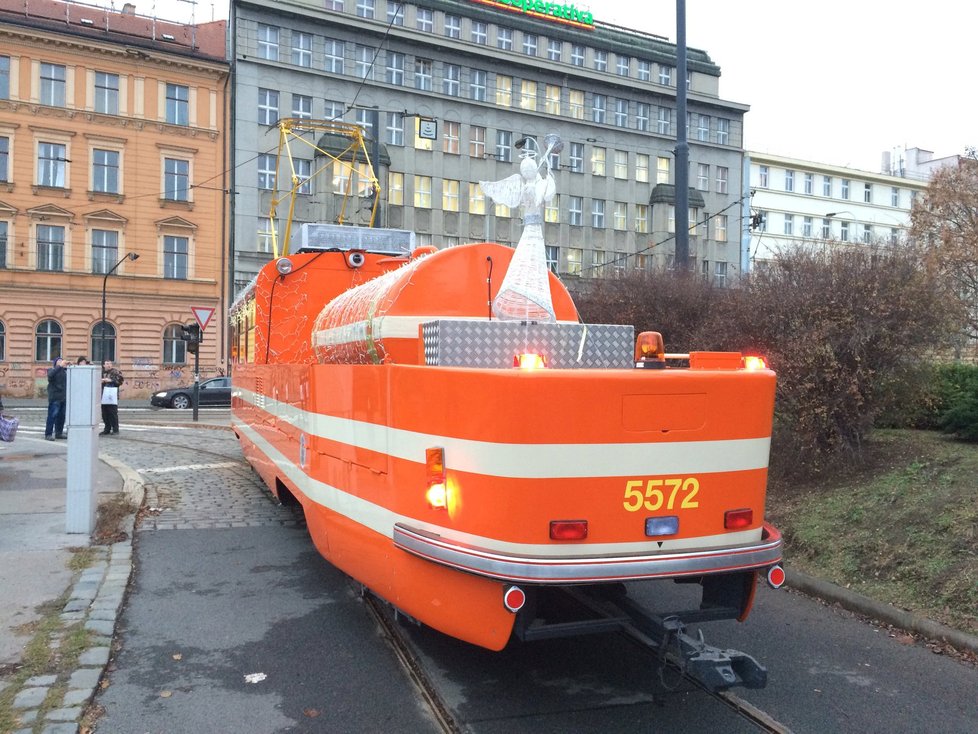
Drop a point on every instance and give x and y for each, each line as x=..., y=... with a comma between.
x=681, y=257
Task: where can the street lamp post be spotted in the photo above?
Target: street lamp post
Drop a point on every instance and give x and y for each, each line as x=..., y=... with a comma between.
x=129, y=256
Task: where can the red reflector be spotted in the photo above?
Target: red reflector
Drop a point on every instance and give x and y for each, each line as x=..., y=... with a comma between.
x=434, y=460
x=514, y=598
x=736, y=519
x=775, y=577
x=568, y=529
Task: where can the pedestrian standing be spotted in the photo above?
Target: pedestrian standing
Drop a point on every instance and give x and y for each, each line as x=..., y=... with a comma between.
x=57, y=398
x=83, y=360
x=112, y=380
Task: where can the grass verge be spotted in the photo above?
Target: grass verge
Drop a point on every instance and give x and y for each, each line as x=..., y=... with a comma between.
x=902, y=530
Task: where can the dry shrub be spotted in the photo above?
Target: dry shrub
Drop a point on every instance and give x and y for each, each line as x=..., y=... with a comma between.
x=836, y=323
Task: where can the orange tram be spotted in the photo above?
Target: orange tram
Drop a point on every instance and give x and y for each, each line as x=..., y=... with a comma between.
x=497, y=479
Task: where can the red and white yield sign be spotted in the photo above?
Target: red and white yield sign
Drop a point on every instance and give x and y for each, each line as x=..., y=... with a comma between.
x=203, y=315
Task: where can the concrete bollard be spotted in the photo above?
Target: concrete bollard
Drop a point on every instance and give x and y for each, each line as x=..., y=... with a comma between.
x=84, y=414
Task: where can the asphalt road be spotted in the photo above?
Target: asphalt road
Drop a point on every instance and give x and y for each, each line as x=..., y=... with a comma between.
x=228, y=586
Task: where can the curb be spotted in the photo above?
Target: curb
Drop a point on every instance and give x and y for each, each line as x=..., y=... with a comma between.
x=886, y=613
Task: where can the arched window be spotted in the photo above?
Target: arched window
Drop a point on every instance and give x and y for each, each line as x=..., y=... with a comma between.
x=47, y=341
x=3, y=342
x=103, y=342
x=174, y=347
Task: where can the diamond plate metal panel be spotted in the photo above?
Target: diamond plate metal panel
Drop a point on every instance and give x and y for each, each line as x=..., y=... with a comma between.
x=493, y=344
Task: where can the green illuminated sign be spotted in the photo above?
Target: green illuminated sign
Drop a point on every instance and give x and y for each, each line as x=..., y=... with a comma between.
x=567, y=14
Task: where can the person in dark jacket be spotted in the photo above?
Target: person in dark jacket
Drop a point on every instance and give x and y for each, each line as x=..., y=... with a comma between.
x=57, y=399
x=111, y=382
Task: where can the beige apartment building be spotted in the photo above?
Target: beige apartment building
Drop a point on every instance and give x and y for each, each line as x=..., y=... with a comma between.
x=113, y=161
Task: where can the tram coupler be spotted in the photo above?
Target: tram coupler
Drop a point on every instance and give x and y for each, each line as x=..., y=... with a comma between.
x=713, y=668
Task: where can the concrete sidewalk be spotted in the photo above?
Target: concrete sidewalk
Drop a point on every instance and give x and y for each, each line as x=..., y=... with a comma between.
x=35, y=551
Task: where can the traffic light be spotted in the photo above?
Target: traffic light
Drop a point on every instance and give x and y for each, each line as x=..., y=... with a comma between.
x=193, y=336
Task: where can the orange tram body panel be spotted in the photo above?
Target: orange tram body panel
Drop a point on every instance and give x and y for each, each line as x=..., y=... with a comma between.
x=375, y=390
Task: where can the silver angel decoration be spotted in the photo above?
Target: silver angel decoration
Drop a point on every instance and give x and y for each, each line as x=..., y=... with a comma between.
x=525, y=290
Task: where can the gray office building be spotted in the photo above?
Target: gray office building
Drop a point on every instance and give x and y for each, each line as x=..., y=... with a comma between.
x=445, y=91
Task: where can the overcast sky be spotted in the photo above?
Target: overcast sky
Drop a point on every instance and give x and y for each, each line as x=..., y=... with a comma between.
x=833, y=81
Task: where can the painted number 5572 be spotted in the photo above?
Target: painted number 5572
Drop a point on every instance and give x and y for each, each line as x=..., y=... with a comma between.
x=656, y=494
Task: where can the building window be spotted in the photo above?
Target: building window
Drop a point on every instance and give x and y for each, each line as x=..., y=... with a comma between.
x=844, y=231
x=703, y=176
x=424, y=20
x=575, y=99
x=333, y=53
x=723, y=131
x=806, y=226
x=3, y=342
x=620, y=216
x=477, y=85
x=720, y=273
x=763, y=176
x=103, y=342
x=504, y=146
x=826, y=229
x=553, y=49
x=105, y=171
x=176, y=179
x=552, y=99
x=47, y=341
x=449, y=195
x=575, y=211
x=477, y=141
x=528, y=95
x=266, y=172
x=301, y=49
x=177, y=104
x=598, y=106
x=826, y=186
x=477, y=199
x=51, y=160
x=789, y=180
x=665, y=75
x=663, y=122
x=422, y=192
x=105, y=250
x=575, y=255
x=551, y=212
x=504, y=39
x=576, y=157
x=621, y=164
x=723, y=174
x=642, y=218
x=302, y=106
x=267, y=107
x=4, y=158
x=422, y=74
x=553, y=259
x=868, y=193
x=4, y=77
x=720, y=227
x=303, y=174
x=364, y=61
x=333, y=4
x=662, y=169
x=621, y=112
x=504, y=90
x=3, y=248
x=265, y=234
x=845, y=189
x=867, y=233
x=395, y=128
x=622, y=65
x=395, y=188
x=809, y=184
x=642, y=116
x=267, y=42
x=395, y=13
x=450, y=141
x=597, y=263
x=451, y=83
x=598, y=158
x=53, y=85
x=642, y=167
x=530, y=44
x=174, y=347
x=597, y=214
x=106, y=93
x=703, y=127
x=395, y=68
x=600, y=60
x=480, y=32
x=894, y=196
x=453, y=26
x=577, y=55
x=50, y=248
x=761, y=220
x=175, y=257
x=789, y=224
x=365, y=8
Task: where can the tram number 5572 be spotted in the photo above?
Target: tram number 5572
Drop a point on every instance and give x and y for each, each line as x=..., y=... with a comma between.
x=656, y=494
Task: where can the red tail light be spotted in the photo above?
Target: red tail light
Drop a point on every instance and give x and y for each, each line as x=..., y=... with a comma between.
x=568, y=529
x=737, y=519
